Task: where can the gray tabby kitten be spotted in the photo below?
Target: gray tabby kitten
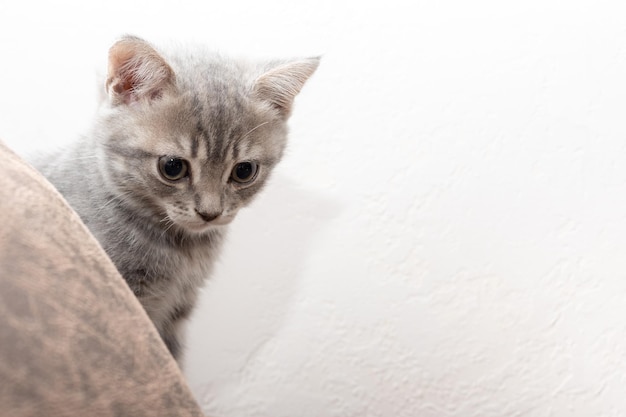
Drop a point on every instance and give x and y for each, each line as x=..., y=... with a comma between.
x=182, y=141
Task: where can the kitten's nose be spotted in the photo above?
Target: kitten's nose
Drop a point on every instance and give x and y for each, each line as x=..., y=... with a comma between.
x=207, y=217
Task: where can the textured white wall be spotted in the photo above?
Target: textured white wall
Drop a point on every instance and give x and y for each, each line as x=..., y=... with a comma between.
x=446, y=234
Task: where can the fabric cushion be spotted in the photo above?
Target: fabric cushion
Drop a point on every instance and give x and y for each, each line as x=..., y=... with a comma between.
x=74, y=341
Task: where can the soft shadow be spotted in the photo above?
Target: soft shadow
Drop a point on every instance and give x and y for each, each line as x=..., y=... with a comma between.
x=248, y=298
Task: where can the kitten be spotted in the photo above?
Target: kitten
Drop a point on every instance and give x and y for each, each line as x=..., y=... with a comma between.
x=180, y=143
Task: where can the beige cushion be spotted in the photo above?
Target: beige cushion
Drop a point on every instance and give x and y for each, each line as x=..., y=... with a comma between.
x=74, y=341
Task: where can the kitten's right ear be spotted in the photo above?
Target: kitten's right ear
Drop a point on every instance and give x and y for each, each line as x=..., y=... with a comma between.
x=136, y=72
x=280, y=85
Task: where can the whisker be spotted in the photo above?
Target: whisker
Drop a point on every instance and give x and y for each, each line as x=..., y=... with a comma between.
x=250, y=131
x=255, y=128
x=115, y=199
x=169, y=223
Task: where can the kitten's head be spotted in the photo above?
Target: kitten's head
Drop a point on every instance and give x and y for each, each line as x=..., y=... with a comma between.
x=189, y=138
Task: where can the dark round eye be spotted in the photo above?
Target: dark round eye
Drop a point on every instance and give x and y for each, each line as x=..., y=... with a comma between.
x=244, y=172
x=172, y=168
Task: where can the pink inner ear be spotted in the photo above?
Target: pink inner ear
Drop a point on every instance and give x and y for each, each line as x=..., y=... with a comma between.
x=123, y=86
x=129, y=84
x=136, y=71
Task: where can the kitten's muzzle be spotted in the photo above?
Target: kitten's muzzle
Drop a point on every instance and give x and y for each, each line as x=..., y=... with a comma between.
x=208, y=217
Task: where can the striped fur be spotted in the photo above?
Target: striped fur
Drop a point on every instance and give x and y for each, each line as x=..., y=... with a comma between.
x=212, y=112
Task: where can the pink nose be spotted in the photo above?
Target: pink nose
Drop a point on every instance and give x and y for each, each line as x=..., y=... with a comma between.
x=207, y=217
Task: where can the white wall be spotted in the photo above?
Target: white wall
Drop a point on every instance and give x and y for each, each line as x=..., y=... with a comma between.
x=446, y=235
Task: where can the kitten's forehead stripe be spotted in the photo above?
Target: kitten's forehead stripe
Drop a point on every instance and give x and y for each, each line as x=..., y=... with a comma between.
x=220, y=116
x=235, y=150
x=195, y=142
x=217, y=133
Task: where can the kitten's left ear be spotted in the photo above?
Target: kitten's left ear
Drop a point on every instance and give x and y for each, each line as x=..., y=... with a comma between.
x=136, y=71
x=280, y=85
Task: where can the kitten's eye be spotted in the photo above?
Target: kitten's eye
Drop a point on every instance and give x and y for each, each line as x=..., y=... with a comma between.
x=172, y=168
x=244, y=172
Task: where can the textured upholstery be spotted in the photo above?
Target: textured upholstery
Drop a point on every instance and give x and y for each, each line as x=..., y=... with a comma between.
x=73, y=339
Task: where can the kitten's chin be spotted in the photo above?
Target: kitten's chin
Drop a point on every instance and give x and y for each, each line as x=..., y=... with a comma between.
x=200, y=227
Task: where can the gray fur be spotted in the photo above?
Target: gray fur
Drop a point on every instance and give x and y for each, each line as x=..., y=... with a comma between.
x=213, y=112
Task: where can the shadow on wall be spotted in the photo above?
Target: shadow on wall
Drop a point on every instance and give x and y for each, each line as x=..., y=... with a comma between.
x=249, y=296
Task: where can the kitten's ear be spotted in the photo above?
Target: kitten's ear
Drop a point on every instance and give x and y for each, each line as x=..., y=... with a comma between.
x=136, y=71
x=282, y=83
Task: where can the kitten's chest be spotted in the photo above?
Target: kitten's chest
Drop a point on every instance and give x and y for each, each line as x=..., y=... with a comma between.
x=167, y=279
